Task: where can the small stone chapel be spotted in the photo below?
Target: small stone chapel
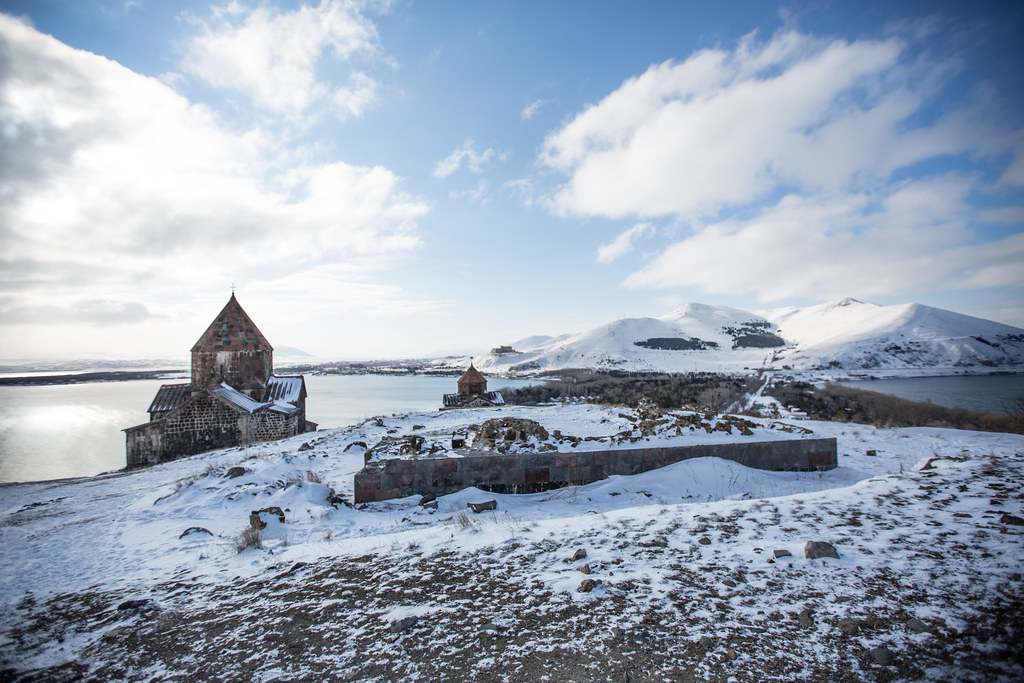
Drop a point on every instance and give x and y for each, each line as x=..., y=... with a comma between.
x=472, y=392
x=234, y=397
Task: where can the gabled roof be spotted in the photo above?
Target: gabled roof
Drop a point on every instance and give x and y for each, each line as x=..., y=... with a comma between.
x=232, y=395
x=287, y=389
x=232, y=330
x=493, y=398
x=169, y=397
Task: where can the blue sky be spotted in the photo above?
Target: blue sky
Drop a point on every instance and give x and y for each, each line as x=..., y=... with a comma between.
x=409, y=178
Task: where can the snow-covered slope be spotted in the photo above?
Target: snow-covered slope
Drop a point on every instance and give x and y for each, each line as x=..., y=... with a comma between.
x=700, y=567
x=839, y=338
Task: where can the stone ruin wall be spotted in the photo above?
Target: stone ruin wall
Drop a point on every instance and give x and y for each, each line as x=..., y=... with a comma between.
x=529, y=472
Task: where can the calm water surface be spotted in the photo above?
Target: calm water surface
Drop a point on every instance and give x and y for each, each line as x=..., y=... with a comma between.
x=985, y=393
x=73, y=430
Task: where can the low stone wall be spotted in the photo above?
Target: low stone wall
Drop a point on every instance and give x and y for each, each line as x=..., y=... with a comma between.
x=530, y=472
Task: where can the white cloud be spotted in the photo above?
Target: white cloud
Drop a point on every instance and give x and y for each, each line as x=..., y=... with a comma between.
x=467, y=155
x=114, y=183
x=275, y=57
x=476, y=194
x=530, y=110
x=623, y=244
x=725, y=129
x=913, y=238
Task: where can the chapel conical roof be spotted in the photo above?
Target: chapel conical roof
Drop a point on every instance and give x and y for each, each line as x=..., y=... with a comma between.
x=232, y=330
x=472, y=375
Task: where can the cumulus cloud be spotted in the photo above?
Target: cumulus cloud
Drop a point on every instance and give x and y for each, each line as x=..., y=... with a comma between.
x=275, y=57
x=623, y=244
x=913, y=237
x=124, y=184
x=467, y=155
x=798, y=166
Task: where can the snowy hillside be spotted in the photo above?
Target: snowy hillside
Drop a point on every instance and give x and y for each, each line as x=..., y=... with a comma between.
x=698, y=568
x=840, y=338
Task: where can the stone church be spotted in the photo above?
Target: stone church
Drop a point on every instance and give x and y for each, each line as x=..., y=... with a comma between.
x=234, y=397
x=472, y=392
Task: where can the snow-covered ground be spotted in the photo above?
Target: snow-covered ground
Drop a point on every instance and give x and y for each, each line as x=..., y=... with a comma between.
x=101, y=577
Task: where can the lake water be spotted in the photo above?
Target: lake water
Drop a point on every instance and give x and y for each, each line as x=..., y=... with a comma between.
x=73, y=430
x=985, y=393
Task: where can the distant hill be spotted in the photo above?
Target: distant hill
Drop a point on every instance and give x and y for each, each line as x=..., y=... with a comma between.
x=290, y=352
x=840, y=338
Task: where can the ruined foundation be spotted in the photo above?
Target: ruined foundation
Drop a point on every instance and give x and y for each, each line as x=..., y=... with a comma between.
x=531, y=472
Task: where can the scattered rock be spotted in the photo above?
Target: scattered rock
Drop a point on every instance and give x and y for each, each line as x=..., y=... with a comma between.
x=235, y=472
x=432, y=505
x=429, y=498
x=585, y=568
x=882, y=656
x=306, y=447
x=195, y=530
x=1011, y=519
x=847, y=626
x=481, y=507
x=587, y=585
x=917, y=626
x=815, y=549
x=579, y=555
x=706, y=642
x=963, y=515
x=871, y=452
x=400, y=625
x=415, y=427
x=360, y=444
x=805, y=618
x=731, y=655
x=729, y=582
x=704, y=540
x=618, y=633
x=132, y=604
x=257, y=523
x=782, y=553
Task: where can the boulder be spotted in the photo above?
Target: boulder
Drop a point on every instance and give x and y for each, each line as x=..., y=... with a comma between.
x=306, y=447
x=132, y=604
x=587, y=585
x=404, y=624
x=782, y=553
x=881, y=656
x=427, y=499
x=481, y=507
x=847, y=626
x=579, y=555
x=195, y=530
x=815, y=549
x=805, y=618
x=235, y=472
x=917, y=626
x=254, y=517
x=1011, y=519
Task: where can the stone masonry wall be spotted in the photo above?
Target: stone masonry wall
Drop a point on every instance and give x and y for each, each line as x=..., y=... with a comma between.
x=528, y=472
x=201, y=425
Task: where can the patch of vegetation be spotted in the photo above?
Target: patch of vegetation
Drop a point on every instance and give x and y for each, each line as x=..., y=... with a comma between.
x=764, y=340
x=677, y=344
x=668, y=391
x=847, y=404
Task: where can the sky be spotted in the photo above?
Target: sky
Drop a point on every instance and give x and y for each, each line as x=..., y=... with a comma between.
x=407, y=179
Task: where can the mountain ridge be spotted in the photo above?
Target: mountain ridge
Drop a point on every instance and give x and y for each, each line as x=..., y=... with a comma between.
x=843, y=337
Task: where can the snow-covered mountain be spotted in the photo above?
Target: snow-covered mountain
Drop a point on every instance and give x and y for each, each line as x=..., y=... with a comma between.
x=840, y=338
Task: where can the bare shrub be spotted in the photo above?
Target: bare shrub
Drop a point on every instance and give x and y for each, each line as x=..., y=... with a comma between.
x=249, y=538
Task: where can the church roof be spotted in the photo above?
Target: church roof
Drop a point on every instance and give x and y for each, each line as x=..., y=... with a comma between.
x=472, y=375
x=284, y=389
x=232, y=330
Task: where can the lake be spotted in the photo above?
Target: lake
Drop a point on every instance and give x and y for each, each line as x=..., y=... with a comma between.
x=74, y=430
x=985, y=393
